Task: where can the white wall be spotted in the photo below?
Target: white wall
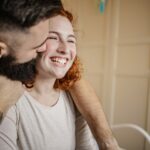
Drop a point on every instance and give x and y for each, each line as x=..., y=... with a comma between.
x=115, y=50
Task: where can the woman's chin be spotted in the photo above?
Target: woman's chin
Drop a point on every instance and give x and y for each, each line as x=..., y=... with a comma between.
x=60, y=76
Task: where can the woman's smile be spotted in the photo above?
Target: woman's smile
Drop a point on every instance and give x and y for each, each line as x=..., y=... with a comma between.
x=59, y=60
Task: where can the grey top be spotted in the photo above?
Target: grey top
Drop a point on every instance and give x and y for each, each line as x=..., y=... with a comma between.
x=29, y=125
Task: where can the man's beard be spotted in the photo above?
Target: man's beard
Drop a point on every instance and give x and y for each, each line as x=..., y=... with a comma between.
x=23, y=72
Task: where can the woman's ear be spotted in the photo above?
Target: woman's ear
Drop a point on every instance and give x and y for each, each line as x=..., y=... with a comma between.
x=3, y=49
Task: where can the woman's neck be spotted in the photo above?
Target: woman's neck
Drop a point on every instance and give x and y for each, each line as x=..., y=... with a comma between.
x=44, y=92
x=43, y=86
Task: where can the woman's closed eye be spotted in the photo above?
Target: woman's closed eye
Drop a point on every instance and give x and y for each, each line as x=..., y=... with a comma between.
x=72, y=40
x=52, y=38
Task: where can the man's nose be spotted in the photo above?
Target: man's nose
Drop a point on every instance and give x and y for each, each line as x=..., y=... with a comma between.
x=42, y=48
x=63, y=47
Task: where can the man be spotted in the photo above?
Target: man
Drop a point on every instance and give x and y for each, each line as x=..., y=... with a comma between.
x=24, y=27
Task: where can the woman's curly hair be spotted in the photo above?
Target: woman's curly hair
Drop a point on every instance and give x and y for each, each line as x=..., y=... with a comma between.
x=74, y=73
x=71, y=76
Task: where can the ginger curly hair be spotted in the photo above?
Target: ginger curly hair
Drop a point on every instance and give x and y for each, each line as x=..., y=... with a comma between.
x=74, y=73
x=71, y=76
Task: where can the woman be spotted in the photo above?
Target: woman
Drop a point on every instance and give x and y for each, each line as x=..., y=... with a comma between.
x=45, y=118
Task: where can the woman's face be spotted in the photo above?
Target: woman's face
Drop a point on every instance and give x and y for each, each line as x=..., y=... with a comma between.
x=61, y=49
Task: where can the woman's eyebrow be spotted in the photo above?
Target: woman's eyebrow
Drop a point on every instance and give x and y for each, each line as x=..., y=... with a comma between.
x=70, y=35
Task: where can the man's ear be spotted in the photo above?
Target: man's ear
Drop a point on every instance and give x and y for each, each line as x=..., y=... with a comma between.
x=3, y=49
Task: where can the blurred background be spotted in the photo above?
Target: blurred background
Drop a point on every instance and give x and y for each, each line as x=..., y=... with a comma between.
x=114, y=47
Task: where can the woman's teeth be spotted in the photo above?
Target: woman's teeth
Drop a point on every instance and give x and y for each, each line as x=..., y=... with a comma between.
x=59, y=60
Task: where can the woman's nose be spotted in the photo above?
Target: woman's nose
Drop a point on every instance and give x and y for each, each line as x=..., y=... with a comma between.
x=63, y=48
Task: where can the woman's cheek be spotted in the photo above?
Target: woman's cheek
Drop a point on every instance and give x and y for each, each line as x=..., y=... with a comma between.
x=51, y=46
x=74, y=53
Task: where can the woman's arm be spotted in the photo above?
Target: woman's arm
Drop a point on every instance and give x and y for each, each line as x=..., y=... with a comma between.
x=90, y=107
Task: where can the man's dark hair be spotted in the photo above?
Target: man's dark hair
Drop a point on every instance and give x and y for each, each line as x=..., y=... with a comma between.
x=23, y=14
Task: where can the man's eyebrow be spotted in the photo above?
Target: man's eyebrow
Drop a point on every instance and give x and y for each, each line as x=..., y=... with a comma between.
x=40, y=44
x=70, y=35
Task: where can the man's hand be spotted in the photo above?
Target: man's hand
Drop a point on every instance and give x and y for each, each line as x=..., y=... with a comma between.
x=109, y=144
x=10, y=91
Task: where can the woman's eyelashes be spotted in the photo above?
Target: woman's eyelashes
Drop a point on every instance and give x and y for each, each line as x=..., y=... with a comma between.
x=73, y=41
x=52, y=38
x=59, y=38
